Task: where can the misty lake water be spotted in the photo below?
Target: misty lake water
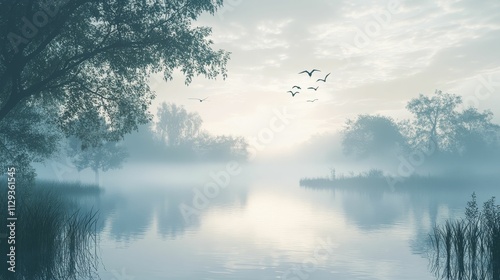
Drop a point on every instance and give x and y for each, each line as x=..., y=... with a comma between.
x=263, y=225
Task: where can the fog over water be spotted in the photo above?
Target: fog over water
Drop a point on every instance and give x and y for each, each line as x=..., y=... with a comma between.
x=250, y=140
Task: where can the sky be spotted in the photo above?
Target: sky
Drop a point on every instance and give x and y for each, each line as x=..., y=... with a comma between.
x=380, y=55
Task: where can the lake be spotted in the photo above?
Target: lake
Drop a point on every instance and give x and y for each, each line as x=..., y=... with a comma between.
x=263, y=225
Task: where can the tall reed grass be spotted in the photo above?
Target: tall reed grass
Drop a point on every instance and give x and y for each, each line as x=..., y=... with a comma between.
x=468, y=248
x=54, y=238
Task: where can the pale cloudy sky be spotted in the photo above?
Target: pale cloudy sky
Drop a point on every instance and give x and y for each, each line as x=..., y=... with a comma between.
x=380, y=55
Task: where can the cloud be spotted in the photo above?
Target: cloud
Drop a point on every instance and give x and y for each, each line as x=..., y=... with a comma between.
x=376, y=51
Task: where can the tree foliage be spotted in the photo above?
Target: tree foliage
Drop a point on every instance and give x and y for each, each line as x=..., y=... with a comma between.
x=437, y=121
x=22, y=140
x=369, y=135
x=178, y=136
x=437, y=126
x=475, y=134
x=176, y=126
x=221, y=147
x=434, y=119
x=106, y=156
x=91, y=60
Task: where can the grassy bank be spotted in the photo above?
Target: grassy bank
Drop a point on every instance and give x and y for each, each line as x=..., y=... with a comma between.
x=377, y=180
x=66, y=188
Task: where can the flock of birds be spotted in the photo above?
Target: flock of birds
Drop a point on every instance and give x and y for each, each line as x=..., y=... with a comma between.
x=310, y=73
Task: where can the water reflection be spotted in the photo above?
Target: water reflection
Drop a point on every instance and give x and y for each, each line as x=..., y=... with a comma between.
x=128, y=215
x=262, y=227
x=374, y=209
x=256, y=232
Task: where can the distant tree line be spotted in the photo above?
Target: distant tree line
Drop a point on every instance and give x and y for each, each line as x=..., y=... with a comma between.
x=177, y=136
x=438, y=128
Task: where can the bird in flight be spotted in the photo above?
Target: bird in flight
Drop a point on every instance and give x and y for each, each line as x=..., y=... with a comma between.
x=323, y=80
x=309, y=72
x=296, y=87
x=315, y=88
x=201, y=100
x=312, y=100
x=293, y=93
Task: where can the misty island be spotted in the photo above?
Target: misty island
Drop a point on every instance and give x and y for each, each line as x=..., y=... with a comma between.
x=446, y=144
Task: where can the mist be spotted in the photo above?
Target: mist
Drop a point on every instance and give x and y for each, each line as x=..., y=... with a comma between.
x=249, y=140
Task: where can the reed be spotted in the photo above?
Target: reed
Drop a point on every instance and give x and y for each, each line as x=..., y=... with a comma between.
x=54, y=239
x=471, y=246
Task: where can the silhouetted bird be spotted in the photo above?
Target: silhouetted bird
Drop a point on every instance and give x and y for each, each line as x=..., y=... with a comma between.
x=323, y=80
x=312, y=100
x=296, y=87
x=315, y=89
x=309, y=73
x=201, y=100
x=293, y=93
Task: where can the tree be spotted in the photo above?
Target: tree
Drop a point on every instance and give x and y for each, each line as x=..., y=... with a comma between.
x=176, y=126
x=177, y=136
x=181, y=134
x=475, y=134
x=221, y=147
x=23, y=141
x=107, y=155
x=92, y=59
x=371, y=136
x=142, y=144
x=434, y=120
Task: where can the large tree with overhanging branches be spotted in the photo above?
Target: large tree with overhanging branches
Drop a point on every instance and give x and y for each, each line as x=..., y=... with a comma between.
x=88, y=60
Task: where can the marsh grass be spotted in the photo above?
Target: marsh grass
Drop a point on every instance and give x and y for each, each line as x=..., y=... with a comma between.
x=468, y=248
x=68, y=188
x=373, y=177
x=54, y=238
x=416, y=183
